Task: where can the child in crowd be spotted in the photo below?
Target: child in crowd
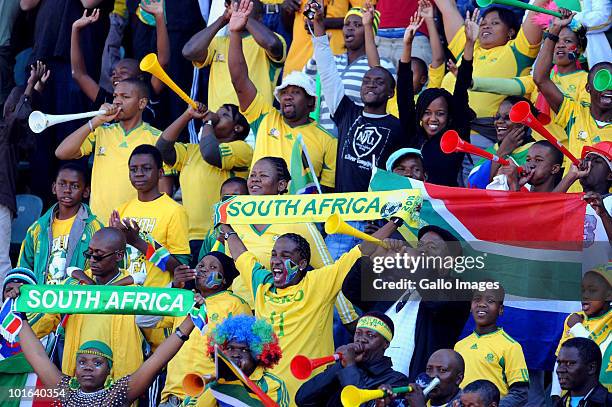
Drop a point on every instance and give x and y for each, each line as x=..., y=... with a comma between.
x=489, y=352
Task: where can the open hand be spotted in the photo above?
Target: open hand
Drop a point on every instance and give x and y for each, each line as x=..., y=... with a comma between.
x=182, y=274
x=596, y=201
x=415, y=22
x=240, y=15
x=85, y=20
x=472, y=25
x=368, y=14
x=426, y=9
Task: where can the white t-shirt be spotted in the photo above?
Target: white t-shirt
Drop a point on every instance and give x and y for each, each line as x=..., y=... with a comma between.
x=597, y=250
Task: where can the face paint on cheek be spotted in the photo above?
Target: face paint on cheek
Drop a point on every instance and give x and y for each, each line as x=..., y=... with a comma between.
x=572, y=52
x=214, y=280
x=292, y=270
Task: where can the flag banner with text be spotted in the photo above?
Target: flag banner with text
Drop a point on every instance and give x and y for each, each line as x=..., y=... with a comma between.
x=99, y=299
x=270, y=209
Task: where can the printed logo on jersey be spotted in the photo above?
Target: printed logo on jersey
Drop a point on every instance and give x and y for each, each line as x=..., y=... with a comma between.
x=490, y=358
x=57, y=261
x=136, y=260
x=367, y=139
x=590, y=224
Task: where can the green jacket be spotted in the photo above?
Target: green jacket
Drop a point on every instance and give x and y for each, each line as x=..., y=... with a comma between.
x=36, y=247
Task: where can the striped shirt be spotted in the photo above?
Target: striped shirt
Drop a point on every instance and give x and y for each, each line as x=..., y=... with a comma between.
x=352, y=76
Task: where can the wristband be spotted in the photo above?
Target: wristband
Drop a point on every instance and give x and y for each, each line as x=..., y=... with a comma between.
x=228, y=234
x=551, y=36
x=90, y=126
x=181, y=335
x=397, y=221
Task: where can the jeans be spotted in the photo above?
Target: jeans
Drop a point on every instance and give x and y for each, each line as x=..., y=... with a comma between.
x=392, y=48
x=339, y=244
x=5, y=240
x=272, y=20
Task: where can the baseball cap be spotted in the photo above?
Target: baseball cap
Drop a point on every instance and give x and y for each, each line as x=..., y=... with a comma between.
x=399, y=154
x=602, y=149
x=297, y=78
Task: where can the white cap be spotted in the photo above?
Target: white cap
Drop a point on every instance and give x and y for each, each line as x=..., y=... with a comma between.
x=297, y=78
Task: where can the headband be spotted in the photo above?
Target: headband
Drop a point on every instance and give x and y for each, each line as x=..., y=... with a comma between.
x=358, y=11
x=376, y=325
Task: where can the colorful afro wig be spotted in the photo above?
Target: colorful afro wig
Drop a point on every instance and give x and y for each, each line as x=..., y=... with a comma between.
x=257, y=334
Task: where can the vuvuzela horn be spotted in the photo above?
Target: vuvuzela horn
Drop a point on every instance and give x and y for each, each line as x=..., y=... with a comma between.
x=521, y=113
x=519, y=4
x=150, y=64
x=334, y=224
x=302, y=366
x=353, y=396
x=38, y=121
x=194, y=384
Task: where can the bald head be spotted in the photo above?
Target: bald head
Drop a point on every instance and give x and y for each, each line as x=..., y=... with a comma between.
x=108, y=239
x=448, y=366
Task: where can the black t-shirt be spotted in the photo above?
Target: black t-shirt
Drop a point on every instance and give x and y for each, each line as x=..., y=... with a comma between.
x=361, y=136
x=149, y=115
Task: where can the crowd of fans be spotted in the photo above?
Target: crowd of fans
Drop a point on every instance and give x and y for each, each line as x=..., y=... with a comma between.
x=361, y=86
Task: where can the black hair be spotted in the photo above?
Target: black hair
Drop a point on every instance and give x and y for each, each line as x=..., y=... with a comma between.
x=240, y=120
x=383, y=317
x=487, y=390
x=507, y=16
x=421, y=64
x=79, y=169
x=428, y=96
x=408, y=155
x=141, y=86
x=387, y=73
x=581, y=38
x=500, y=289
x=588, y=351
x=556, y=153
x=235, y=180
x=596, y=68
x=303, y=246
x=282, y=172
x=148, y=149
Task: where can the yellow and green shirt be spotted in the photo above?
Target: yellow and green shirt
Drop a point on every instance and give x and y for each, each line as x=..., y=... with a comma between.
x=268, y=382
x=263, y=70
x=201, y=181
x=193, y=356
x=599, y=329
x=506, y=61
x=302, y=314
x=60, y=228
x=167, y=222
x=110, y=180
x=495, y=357
x=581, y=130
x=275, y=138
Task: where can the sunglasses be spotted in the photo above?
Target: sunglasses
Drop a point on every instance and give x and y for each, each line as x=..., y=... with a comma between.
x=97, y=257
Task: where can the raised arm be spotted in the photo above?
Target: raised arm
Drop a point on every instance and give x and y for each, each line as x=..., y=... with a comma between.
x=265, y=38
x=156, y=8
x=165, y=142
x=541, y=72
x=451, y=17
x=287, y=14
x=426, y=10
x=70, y=148
x=209, y=146
x=405, y=89
x=35, y=353
x=196, y=49
x=77, y=62
x=234, y=242
x=332, y=86
x=239, y=71
x=461, y=120
x=142, y=378
x=370, y=44
x=532, y=30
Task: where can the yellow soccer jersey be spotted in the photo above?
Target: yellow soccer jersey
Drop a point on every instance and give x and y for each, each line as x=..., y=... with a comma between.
x=110, y=179
x=302, y=314
x=201, y=182
x=507, y=61
x=572, y=85
x=270, y=383
x=275, y=138
x=261, y=244
x=57, y=261
x=193, y=356
x=600, y=328
x=581, y=130
x=263, y=71
x=495, y=357
x=166, y=221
